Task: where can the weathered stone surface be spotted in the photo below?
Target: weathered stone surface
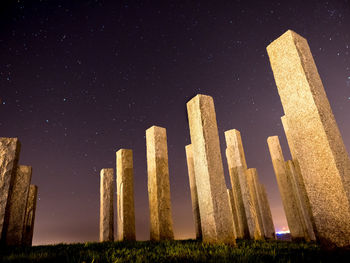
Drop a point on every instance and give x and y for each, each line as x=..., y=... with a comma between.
x=18, y=203
x=158, y=184
x=237, y=166
x=125, y=195
x=302, y=195
x=233, y=211
x=318, y=144
x=9, y=154
x=309, y=234
x=253, y=181
x=194, y=194
x=106, y=204
x=269, y=228
x=28, y=228
x=289, y=202
x=216, y=220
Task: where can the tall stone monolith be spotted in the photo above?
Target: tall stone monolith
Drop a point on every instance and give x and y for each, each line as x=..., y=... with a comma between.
x=302, y=195
x=237, y=166
x=233, y=210
x=106, y=204
x=125, y=195
x=289, y=201
x=269, y=228
x=194, y=194
x=216, y=220
x=319, y=148
x=28, y=227
x=18, y=203
x=9, y=154
x=253, y=181
x=161, y=221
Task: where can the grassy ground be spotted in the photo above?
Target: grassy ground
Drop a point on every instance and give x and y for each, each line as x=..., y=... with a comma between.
x=175, y=251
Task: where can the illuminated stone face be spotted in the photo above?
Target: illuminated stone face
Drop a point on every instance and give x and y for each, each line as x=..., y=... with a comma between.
x=300, y=186
x=106, y=205
x=253, y=182
x=269, y=229
x=9, y=154
x=125, y=195
x=237, y=167
x=289, y=201
x=161, y=222
x=216, y=219
x=17, y=207
x=28, y=227
x=318, y=145
x=194, y=193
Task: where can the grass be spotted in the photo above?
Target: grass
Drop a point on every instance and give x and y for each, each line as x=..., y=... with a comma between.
x=175, y=251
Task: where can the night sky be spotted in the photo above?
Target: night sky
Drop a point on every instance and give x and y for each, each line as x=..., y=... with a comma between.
x=81, y=79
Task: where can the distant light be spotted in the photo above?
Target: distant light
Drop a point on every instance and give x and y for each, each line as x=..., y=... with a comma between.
x=47, y=121
x=283, y=232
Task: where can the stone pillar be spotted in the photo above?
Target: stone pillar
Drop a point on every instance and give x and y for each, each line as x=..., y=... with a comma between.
x=17, y=207
x=269, y=228
x=253, y=181
x=194, y=194
x=158, y=185
x=286, y=190
x=233, y=210
x=216, y=220
x=9, y=154
x=106, y=205
x=237, y=166
x=302, y=195
x=125, y=195
x=318, y=144
x=28, y=227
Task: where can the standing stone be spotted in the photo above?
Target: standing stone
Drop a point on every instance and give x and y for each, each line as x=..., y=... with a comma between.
x=318, y=144
x=237, y=166
x=158, y=185
x=28, y=227
x=289, y=202
x=17, y=207
x=269, y=229
x=302, y=195
x=194, y=194
x=125, y=195
x=216, y=220
x=233, y=211
x=253, y=181
x=106, y=205
x=9, y=154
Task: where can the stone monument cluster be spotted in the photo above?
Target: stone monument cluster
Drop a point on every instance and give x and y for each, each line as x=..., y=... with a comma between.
x=17, y=196
x=314, y=185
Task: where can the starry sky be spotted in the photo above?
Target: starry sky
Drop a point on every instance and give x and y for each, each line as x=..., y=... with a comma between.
x=81, y=79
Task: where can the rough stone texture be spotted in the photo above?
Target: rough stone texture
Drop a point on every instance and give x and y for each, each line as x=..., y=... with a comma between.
x=233, y=210
x=158, y=185
x=289, y=202
x=28, y=227
x=302, y=195
x=106, y=204
x=237, y=165
x=269, y=228
x=309, y=234
x=216, y=219
x=9, y=154
x=125, y=195
x=318, y=144
x=252, y=176
x=18, y=203
x=194, y=194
